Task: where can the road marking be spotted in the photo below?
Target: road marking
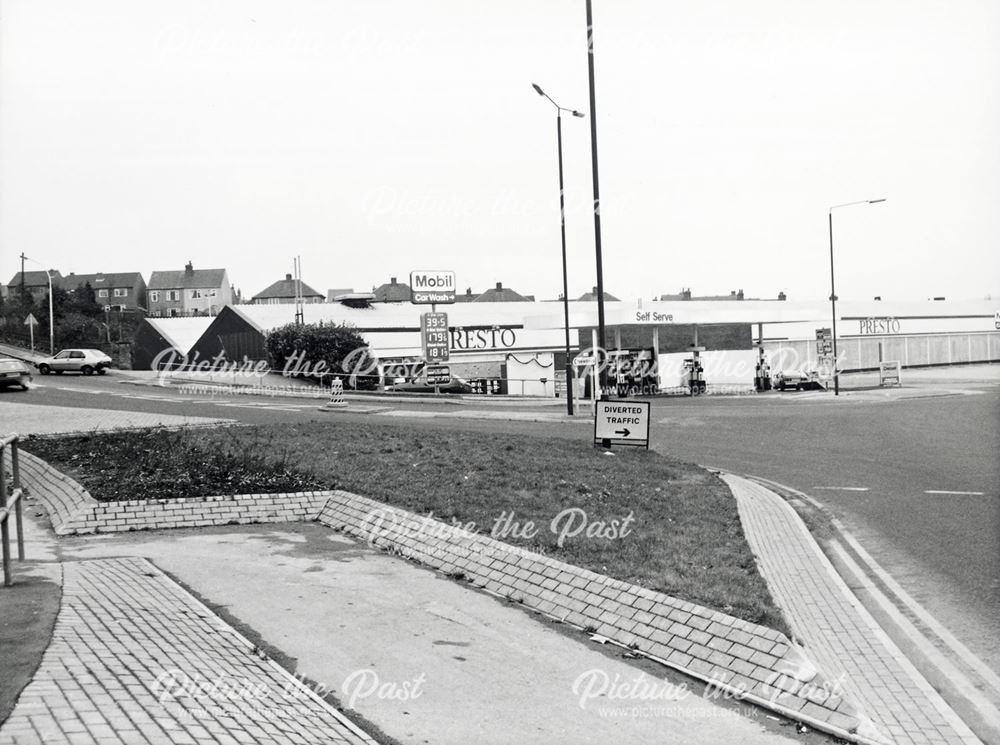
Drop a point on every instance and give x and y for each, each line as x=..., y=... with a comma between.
x=842, y=488
x=958, y=493
x=904, y=599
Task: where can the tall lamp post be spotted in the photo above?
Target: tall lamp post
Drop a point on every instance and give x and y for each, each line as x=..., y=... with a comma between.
x=562, y=226
x=833, y=292
x=597, y=197
x=48, y=276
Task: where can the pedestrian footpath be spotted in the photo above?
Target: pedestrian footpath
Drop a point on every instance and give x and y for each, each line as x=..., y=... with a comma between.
x=835, y=628
x=134, y=658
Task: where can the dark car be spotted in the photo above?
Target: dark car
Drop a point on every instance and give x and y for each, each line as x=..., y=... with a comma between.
x=14, y=372
x=420, y=385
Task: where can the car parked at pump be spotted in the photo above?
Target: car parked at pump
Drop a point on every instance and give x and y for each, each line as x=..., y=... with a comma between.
x=14, y=373
x=86, y=361
x=800, y=380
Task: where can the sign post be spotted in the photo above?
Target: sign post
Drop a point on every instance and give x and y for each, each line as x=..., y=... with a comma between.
x=434, y=340
x=430, y=287
x=621, y=422
x=31, y=322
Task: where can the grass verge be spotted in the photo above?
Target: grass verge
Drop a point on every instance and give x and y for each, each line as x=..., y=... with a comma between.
x=635, y=515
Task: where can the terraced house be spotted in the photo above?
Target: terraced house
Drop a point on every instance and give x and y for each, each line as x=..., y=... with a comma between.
x=191, y=292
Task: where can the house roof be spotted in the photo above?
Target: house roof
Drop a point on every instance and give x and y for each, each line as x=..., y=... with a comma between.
x=36, y=279
x=501, y=294
x=392, y=292
x=195, y=279
x=285, y=288
x=592, y=296
x=467, y=297
x=97, y=281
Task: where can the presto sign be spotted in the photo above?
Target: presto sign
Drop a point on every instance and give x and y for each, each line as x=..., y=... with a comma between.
x=428, y=287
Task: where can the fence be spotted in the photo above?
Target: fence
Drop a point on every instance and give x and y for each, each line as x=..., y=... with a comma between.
x=858, y=354
x=10, y=504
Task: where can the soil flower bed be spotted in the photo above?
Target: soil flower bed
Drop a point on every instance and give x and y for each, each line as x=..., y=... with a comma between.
x=637, y=516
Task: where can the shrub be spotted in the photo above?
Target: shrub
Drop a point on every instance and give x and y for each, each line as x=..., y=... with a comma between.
x=321, y=352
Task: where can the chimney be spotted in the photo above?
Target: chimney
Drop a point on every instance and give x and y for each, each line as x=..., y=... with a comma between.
x=739, y=295
x=189, y=269
x=878, y=297
x=782, y=296
x=595, y=292
x=392, y=281
x=288, y=277
x=499, y=285
x=686, y=293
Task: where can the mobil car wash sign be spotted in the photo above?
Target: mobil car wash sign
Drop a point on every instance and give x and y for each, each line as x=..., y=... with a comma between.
x=428, y=287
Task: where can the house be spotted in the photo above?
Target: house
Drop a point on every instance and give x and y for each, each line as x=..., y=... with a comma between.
x=192, y=292
x=123, y=291
x=392, y=292
x=35, y=283
x=501, y=294
x=590, y=297
x=284, y=291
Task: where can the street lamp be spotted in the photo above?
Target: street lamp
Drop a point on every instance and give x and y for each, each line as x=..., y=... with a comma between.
x=562, y=226
x=48, y=276
x=833, y=292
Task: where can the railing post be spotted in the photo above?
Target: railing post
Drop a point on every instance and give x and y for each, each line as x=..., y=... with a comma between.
x=16, y=469
x=4, y=529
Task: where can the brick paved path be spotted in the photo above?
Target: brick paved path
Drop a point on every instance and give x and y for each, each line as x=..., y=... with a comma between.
x=836, y=629
x=136, y=659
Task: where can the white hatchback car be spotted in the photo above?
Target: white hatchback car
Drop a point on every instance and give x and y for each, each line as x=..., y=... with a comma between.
x=86, y=361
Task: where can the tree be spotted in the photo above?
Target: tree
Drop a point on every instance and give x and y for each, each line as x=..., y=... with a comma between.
x=322, y=351
x=83, y=300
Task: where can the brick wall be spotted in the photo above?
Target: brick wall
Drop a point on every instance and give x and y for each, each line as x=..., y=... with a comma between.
x=72, y=510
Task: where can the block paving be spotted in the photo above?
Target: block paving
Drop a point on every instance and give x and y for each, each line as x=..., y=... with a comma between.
x=849, y=680
x=134, y=658
x=825, y=615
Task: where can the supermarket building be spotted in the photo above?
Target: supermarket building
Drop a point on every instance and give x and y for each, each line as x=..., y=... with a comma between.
x=523, y=344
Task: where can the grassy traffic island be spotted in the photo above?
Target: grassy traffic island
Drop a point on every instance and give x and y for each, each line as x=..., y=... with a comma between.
x=635, y=515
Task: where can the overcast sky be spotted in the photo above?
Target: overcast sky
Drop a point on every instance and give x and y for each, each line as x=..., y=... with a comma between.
x=375, y=138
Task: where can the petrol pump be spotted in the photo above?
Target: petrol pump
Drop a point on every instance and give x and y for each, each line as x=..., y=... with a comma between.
x=762, y=373
x=694, y=374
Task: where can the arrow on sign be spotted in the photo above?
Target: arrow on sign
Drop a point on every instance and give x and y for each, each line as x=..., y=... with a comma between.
x=625, y=432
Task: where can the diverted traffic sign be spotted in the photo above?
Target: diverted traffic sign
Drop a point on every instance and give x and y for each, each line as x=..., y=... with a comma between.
x=622, y=422
x=434, y=336
x=428, y=287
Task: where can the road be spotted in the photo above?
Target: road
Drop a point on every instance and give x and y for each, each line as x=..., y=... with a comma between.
x=917, y=481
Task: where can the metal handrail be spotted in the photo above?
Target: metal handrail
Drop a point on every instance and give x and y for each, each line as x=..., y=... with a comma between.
x=9, y=504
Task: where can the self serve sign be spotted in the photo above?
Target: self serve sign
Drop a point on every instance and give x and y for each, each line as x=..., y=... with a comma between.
x=622, y=423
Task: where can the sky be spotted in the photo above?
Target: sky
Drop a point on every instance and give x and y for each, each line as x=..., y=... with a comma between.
x=373, y=139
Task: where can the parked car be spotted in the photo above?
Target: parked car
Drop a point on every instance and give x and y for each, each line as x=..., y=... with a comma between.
x=14, y=372
x=800, y=380
x=420, y=385
x=86, y=361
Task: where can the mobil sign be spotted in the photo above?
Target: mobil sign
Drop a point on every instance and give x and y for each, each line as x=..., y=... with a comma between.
x=427, y=287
